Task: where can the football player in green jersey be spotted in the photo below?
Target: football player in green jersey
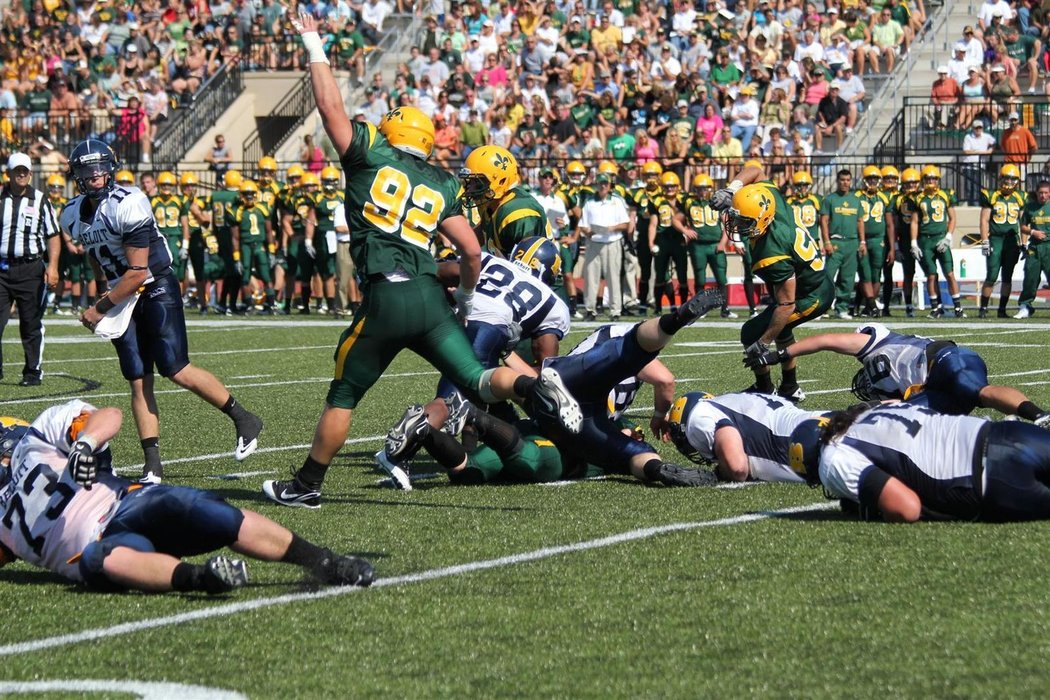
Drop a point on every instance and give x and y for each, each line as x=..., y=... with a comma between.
x=1035, y=225
x=842, y=231
x=252, y=237
x=904, y=210
x=878, y=234
x=195, y=217
x=396, y=205
x=298, y=216
x=668, y=237
x=932, y=229
x=638, y=201
x=1001, y=211
x=321, y=259
x=709, y=248
x=73, y=264
x=787, y=259
x=167, y=210
x=223, y=203
x=270, y=190
x=891, y=188
x=804, y=204
x=288, y=248
x=509, y=213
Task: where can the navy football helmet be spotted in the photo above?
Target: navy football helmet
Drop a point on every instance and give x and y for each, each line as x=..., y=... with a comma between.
x=11, y=431
x=89, y=159
x=862, y=386
x=677, y=418
x=539, y=257
x=804, y=447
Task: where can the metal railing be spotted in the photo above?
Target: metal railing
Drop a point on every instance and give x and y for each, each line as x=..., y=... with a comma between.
x=39, y=132
x=187, y=124
x=275, y=128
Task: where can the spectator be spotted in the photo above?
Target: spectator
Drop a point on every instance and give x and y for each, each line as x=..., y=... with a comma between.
x=645, y=148
x=977, y=146
x=698, y=157
x=603, y=222
x=473, y=133
x=974, y=98
x=744, y=116
x=959, y=65
x=726, y=155
x=974, y=47
x=1002, y=90
x=710, y=124
x=815, y=88
x=621, y=145
x=1018, y=144
x=447, y=147
x=133, y=131
x=373, y=12
x=311, y=155
x=944, y=93
x=65, y=110
x=886, y=36
x=777, y=110
x=219, y=159
x=859, y=37
x=563, y=130
x=1024, y=49
x=831, y=117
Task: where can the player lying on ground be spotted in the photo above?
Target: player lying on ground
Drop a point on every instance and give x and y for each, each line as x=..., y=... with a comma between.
x=947, y=377
x=522, y=452
x=745, y=435
x=904, y=462
x=67, y=512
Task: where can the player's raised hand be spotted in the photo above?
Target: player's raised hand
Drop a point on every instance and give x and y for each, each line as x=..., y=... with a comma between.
x=305, y=23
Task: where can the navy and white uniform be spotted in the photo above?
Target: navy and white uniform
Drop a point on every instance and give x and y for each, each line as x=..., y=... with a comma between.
x=157, y=333
x=622, y=395
x=592, y=371
x=510, y=304
x=941, y=374
x=765, y=424
x=959, y=466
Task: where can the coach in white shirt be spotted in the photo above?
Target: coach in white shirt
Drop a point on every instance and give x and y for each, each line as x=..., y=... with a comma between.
x=603, y=222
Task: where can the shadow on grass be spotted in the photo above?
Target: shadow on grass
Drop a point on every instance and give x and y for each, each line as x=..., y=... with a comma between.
x=831, y=515
x=34, y=577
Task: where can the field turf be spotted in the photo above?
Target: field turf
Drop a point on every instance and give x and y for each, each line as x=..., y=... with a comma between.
x=603, y=588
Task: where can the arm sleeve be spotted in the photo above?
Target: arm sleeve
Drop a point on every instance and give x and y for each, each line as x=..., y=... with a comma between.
x=135, y=220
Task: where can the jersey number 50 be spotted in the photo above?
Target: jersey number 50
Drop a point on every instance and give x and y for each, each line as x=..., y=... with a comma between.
x=387, y=208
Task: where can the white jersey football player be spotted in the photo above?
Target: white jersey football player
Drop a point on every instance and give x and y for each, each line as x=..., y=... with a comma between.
x=938, y=373
x=904, y=462
x=64, y=510
x=746, y=435
x=116, y=225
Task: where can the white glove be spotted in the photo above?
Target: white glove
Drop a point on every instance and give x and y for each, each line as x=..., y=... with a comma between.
x=945, y=243
x=308, y=246
x=464, y=302
x=916, y=251
x=239, y=266
x=986, y=247
x=738, y=246
x=654, y=249
x=184, y=251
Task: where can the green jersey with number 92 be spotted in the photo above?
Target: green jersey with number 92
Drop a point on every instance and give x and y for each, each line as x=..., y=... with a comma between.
x=787, y=250
x=394, y=203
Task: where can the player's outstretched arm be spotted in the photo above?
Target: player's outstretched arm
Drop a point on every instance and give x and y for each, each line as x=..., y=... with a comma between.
x=326, y=90
x=842, y=343
x=660, y=378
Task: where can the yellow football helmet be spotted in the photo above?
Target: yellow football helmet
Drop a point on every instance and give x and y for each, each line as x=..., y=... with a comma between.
x=652, y=169
x=310, y=180
x=232, y=179
x=249, y=191
x=1009, y=177
x=408, y=129
x=931, y=177
x=576, y=172
x=295, y=172
x=872, y=171
x=669, y=180
x=753, y=163
x=910, y=179
x=609, y=168
x=751, y=214
x=188, y=179
x=267, y=168
x=55, y=181
x=167, y=178
x=888, y=171
x=802, y=178
x=488, y=173
x=124, y=177
x=330, y=178
x=703, y=182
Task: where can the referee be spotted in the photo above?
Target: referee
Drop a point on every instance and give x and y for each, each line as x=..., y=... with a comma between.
x=27, y=225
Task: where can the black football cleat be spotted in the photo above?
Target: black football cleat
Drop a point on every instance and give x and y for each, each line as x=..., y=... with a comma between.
x=222, y=575
x=673, y=475
x=701, y=304
x=551, y=400
x=343, y=570
x=292, y=494
x=791, y=392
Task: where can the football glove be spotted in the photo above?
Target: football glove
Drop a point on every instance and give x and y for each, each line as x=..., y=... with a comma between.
x=945, y=243
x=308, y=246
x=738, y=246
x=184, y=251
x=654, y=249
x=81, y=464
x=764, y=358
x=916, y=251
x=986, y=247
x=239, y=266
x=464, y=302
x=722, y=199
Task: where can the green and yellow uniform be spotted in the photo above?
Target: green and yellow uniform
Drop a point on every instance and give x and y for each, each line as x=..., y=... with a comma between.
x=325, y=205
x=1004, y=232
x=167, y=210
x=395, y=203
x=704, y=250
x=290, y=243
x=903, y=206
x=72, y=267
x=517, y=216
x=787, y=251
x=875, y=210
x=932, y=210
x=806, y=211
x=670, y=245
x=223, y=203
x=843, y=211
x=269, y=194
x=639, y=199
x=1037, y=257
x=250, y=223
x=204, y=248
x=300, y=206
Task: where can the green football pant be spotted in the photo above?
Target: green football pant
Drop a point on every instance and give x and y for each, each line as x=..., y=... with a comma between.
x=537, y=461
x=873, y=261
x=841, y=267
x=178, y=265
x=1004, y=255
x=807, y=308
x=703, y=255
x=1036, y=264
x=672, y=247
x=931, y=258
x=394, y=316
x=254, y=257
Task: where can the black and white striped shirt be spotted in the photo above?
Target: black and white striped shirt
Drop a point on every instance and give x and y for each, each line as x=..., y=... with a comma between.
x=26, y=222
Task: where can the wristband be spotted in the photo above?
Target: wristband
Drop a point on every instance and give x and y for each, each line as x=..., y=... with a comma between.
x=89, y=441
x=104, y=305
x=734, y=186
x=236, y=256
x=314, y=47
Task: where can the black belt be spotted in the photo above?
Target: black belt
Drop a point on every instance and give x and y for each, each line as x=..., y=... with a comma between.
x=21, y=261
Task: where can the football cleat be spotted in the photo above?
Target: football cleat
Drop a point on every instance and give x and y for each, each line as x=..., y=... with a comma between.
x=551, y=399
x=1023, y=312
x=792, y=393
x=151, y=477
x=398, y=474
x=699, y=305
x=343, y=570
x=292, y=494
x=982, y=313
x=673, y=475
x=937, y=312
x=1042, y=420
x=222, y=575
x=460, y=414
x=247, y=436
x=406, y=437
x=1001, y=313
x=726, y=313
x=909, y=312
x=844, y=315
x=959, y=313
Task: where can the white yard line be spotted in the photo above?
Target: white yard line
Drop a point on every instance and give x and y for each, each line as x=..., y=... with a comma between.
x=428, y=575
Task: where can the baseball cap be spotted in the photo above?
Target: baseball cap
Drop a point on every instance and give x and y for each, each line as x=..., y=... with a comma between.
x=977, y=124
x=727, y=13
x=833, y=11
x=576, y=19
x=683, y=103
x=959, y=47
x=547, y=172
x=836, y=85
x=942, y=69
x=488, y=23
x=19, y=160
x=603, y=179
x=999, y=69
x=1014, y=116
x=132, y=48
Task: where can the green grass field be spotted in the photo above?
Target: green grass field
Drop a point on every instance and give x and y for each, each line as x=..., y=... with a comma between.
x=576, y=590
